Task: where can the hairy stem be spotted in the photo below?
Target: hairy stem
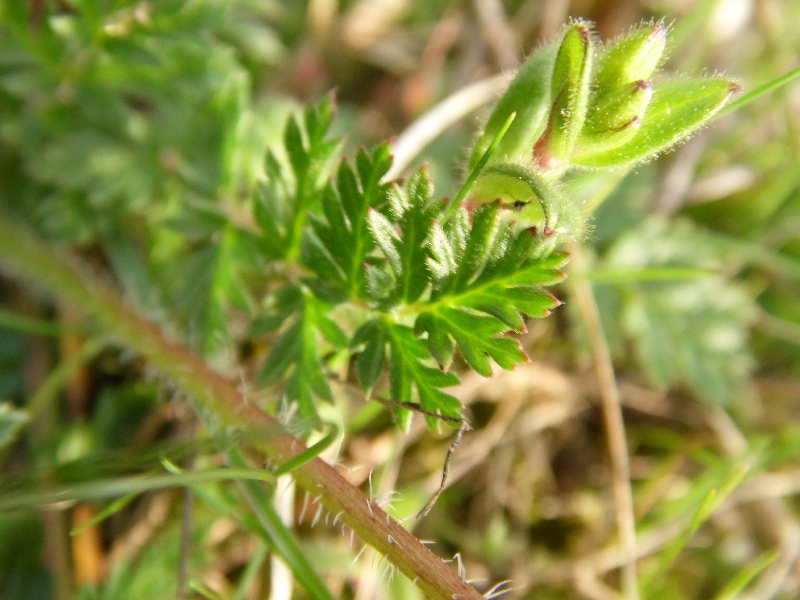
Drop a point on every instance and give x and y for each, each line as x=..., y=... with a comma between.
x=221, y=404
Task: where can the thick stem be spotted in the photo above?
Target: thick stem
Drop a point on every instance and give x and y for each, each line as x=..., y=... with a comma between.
x=220, y=404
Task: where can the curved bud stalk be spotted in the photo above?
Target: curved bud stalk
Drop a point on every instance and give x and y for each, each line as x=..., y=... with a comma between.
x=547, y=204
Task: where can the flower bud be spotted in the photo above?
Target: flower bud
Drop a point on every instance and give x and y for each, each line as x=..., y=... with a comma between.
x=614, y=120
x=618, y=108
x=632, y=57
x=677, y=109
x=570, y=90
x=599, y=143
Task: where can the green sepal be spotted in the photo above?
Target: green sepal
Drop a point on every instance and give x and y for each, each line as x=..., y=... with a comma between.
x=594, y=142
x=570, y=90
x=528, y=95
x=678, y=109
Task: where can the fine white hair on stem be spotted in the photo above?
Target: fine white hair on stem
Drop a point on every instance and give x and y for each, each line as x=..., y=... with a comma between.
x=430, y=125
x=360, y=552
x=302, y=516
x=315, y=520
x=497, y=590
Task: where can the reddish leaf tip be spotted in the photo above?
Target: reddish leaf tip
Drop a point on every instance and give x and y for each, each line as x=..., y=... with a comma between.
x=659, y=30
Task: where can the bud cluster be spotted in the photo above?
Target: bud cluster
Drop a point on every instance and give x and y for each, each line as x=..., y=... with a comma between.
x=582, y=103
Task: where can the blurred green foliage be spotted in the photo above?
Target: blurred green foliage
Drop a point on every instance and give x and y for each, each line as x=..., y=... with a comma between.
x=133, y=136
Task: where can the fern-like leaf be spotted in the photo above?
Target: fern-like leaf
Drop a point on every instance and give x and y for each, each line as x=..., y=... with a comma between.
x=408, y=372
x=477, y=299
x=281, y=204
x=465, y=284
x=691, y=332
x=337, y=246
x=402, y=237
x=296, y=356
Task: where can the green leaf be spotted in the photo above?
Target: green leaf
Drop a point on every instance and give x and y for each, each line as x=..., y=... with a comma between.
x=272, y=209
x=296, y=356
x=733, y=589
x=281, y=205
x=281, y=305
x=338, y=246
x=406, y=368
x=210, y=284
x=12, y=423
x=370, y=362
x=403, y=240
x=478, y=337
x=486, y=241
x=410, y=379
x=477, y=301
x=691, y=332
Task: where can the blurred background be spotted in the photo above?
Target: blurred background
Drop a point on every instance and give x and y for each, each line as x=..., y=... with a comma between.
x=111, y=112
